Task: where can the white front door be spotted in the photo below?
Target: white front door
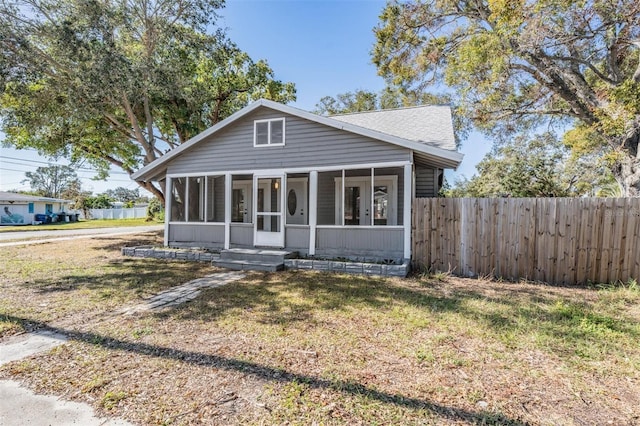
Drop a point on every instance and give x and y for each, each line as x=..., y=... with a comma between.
x=268, y=201
x=296, y=202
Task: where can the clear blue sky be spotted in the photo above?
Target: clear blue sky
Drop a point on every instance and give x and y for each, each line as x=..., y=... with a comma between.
x=322, y=46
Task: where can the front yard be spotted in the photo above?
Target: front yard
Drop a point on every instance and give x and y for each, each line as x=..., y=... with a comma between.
x=305, y=347
x=83, y=224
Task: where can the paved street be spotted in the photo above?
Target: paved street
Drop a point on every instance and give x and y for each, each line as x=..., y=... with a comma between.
x=38, y=237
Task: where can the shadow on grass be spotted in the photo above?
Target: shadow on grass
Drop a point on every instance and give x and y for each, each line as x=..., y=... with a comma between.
x=285, y=298
x=149, y=238
x=274, y=375
x=295, y=296
x=142, y=276
x=563, y=323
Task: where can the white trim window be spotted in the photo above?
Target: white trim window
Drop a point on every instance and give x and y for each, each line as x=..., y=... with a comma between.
x=269, y=132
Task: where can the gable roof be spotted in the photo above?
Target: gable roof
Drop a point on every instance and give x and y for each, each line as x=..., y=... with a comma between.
x=444, y=158
x=430, y=124
x=13, y=197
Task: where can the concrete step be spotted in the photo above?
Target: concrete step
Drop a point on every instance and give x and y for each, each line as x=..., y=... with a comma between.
x=257, y=255
x=248, y=265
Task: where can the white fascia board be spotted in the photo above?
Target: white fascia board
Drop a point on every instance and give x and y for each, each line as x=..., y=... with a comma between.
x=452, y=158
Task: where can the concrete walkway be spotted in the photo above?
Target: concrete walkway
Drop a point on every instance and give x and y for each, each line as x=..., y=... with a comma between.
x=183, y=293
x=40, y=237
x=21, y=407
x=24, y=345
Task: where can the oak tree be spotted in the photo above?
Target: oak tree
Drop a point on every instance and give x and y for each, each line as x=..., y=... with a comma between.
x=517, y=65
x=119, y=83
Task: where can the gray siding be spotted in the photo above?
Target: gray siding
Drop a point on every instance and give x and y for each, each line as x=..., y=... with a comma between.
x=426, y=184
x=241, y=235
x=382, y=243
x=307, y=144
x=297, y=238
x=197, y=235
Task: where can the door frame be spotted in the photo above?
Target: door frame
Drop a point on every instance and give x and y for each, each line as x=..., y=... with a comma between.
x=262, y=238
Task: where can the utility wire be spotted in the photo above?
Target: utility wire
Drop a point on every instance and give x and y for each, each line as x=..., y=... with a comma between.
x=50, y=163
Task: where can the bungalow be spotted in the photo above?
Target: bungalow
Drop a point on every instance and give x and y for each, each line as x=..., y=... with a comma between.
x=20, y=209
x=272, y=175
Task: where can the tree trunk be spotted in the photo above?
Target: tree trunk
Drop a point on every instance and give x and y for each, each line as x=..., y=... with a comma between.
x=627, y=172
x=628, y=176
x=159, y=194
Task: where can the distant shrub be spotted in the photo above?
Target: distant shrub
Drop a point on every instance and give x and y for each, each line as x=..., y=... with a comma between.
x=155, y=211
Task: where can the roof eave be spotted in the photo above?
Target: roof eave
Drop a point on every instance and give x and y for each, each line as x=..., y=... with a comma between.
x=151, y=170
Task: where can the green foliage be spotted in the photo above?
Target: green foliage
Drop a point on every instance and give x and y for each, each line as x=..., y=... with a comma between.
x=123, y=194
x=348, y=102
x=515, y=66
x=538, y=167
x=53, y=181
x=155, y=211
x=121, y=83
x=74, y=192
x=101, y=201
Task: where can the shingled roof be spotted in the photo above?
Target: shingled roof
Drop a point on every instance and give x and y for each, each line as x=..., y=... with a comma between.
x=430, y=125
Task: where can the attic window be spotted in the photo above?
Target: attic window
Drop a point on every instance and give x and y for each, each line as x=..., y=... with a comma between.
x=268, y=132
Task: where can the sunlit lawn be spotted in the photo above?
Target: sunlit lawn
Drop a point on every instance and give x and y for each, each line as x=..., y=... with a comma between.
x=83, y=224
x=305, y=348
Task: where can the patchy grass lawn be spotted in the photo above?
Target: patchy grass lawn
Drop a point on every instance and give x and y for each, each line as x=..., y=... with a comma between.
x=305, y=347
x=83, y=224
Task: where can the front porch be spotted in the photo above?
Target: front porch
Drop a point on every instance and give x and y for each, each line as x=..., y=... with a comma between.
x=350, y=211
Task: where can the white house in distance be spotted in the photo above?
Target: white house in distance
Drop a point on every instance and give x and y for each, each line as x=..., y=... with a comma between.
x=20, y=209
x=275, y=176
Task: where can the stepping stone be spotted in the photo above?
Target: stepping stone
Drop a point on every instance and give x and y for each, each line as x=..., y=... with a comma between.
x=183, y=293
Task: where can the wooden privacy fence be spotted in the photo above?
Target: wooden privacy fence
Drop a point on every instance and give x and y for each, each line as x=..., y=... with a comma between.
x=554, y=240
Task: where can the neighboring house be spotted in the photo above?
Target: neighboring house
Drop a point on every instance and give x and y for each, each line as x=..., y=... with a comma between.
x=272, y=175
x=19, y=209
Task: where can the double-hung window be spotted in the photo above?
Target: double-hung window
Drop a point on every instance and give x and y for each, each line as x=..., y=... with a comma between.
x=268, y=132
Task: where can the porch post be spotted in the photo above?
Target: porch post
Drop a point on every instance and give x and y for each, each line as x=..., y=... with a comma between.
x=406, y=217
x=227, y=210
x=313, y=210
x=168, y=193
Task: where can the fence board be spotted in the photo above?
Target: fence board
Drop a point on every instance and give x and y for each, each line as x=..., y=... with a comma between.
x=561, y=240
